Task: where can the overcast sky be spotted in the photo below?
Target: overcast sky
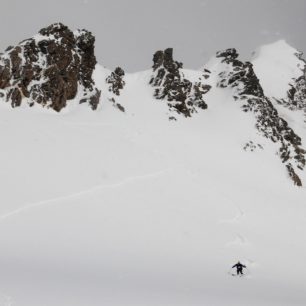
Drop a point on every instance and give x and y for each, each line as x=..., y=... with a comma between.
x=128, y=32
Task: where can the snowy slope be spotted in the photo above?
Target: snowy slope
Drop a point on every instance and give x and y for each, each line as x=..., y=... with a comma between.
x=112, y=208
x=277, y=65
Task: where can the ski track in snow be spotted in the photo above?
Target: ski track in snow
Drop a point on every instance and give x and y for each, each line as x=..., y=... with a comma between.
x=81, y=193
x=240, y=240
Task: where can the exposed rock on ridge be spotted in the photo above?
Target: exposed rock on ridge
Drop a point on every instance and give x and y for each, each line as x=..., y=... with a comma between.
x=169, y=82
x=116, y=84
x=57, y=65
x=296, y=95
x=241, y=77
x=50, y=69
x=116, y=81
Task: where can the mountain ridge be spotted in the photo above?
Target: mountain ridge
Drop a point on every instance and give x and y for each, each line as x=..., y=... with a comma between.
x=58, y=65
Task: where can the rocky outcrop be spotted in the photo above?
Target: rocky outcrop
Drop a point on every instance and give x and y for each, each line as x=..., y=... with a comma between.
x=183, y=96
x=116, y=84
x=237, y=72
x=296, y=95
x=50, y=69
x=116, y=81
x=247, y=90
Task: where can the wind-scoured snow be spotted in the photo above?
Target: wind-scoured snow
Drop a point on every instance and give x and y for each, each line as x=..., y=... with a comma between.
x=118, y=209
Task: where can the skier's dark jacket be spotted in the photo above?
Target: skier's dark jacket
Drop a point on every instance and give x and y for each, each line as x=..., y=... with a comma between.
x=239, y=266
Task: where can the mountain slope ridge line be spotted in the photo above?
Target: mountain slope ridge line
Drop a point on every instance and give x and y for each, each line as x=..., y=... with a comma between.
x=58, y=65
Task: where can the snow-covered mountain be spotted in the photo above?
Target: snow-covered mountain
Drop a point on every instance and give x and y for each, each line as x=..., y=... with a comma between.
x=277, y=66
x=145, y=188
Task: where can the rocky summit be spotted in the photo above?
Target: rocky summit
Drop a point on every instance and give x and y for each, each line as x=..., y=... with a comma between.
x=50, y=69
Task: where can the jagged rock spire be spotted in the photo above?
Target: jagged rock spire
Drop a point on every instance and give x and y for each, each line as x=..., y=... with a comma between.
x=116, y=84
x=50, y=68
x=169, y=82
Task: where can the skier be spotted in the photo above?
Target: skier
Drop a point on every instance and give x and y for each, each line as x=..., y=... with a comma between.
x=239, y=268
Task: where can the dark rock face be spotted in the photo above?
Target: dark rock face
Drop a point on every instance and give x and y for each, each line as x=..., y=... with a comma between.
x=228, y=54
x=296, y=95
x=241, y=77
x=239, y=73
x=50, y=68
x=182, y=95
